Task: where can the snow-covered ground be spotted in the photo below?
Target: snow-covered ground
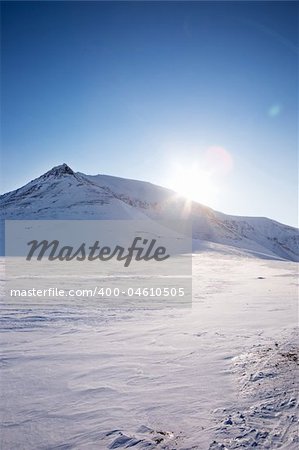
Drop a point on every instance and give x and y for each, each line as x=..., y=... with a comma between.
x=266, y=413
x=217, y=375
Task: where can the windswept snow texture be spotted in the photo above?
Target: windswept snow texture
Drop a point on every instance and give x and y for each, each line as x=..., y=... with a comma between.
x=63, y=194
x=266, y=412
x=218, y=376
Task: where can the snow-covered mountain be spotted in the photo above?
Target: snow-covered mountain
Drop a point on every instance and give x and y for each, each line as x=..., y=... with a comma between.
x=63, y=194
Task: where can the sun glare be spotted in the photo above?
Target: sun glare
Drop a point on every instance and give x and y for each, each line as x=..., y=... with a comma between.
x=201, y=179
x=194, y=184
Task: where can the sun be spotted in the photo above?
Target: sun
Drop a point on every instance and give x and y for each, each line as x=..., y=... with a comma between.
x=193, y=183
x=203, y=177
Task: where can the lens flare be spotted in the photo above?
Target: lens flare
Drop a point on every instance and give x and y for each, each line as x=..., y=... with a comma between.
x=274, y=111
x=218, y=160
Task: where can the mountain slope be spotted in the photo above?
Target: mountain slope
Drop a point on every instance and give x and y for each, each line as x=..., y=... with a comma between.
x=63, y=194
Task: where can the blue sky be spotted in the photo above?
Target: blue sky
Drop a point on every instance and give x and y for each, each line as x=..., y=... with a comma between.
x=165, y=92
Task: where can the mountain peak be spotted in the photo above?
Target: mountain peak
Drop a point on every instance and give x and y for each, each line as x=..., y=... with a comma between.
x=57, y=171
